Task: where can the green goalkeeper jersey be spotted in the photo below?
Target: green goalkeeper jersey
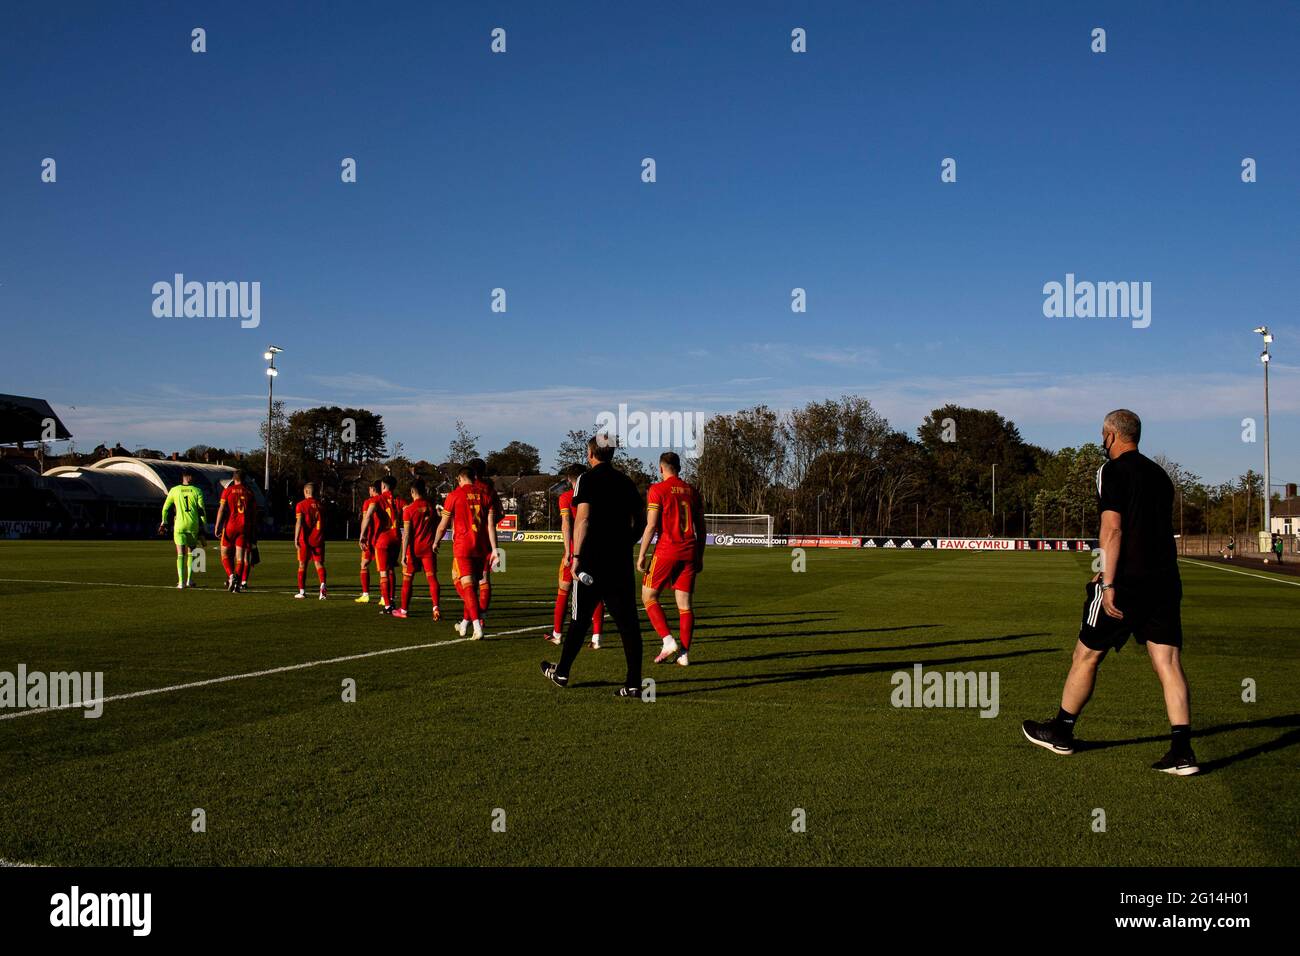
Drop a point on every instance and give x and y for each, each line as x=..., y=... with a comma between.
x=188, y=502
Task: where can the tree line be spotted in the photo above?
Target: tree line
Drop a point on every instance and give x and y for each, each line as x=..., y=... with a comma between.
x=835, y=467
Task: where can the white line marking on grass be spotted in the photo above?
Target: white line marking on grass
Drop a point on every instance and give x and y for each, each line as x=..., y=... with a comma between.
x=265, y=673
x=118, y=584
x=4, y=862
x=1249, y=574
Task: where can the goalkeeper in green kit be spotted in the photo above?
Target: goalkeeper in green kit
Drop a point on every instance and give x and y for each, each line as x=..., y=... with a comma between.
x=188, y=529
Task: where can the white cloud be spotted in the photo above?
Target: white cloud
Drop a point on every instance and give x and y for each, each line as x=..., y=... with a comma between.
x=1067, y=408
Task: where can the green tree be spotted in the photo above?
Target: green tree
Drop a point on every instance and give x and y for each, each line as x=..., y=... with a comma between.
x=517, y=458
x=464, y=446
x=572, y=451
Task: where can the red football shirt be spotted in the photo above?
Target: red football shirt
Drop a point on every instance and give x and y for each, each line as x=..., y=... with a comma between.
x=423, y=520
x=239, y=502
x=468, y=506
x=388, y=513
x=493, y=503
x=368, y=534
x=312, y=524
x=678, y=505
x=566, y=508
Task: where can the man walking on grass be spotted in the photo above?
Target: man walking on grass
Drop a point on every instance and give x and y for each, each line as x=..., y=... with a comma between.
x=1137, y=593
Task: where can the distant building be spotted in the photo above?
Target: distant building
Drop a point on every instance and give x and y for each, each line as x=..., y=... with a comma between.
x=120, y=496
x=1286, y=514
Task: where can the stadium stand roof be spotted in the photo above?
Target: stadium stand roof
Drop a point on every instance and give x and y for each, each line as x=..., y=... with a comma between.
x=142, y=480
x=22, y=421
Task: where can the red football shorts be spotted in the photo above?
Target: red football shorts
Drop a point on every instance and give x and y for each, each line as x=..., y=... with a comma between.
x=232, y=535
x=468, y=566
x=415, y=560
x=387, y=546
x=666, y=570
x=311, y=552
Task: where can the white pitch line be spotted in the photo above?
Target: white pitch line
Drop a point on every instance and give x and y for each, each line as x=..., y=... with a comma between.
x=171, y=587
x=118, y=584
x=1249, y=574
x=265, y=673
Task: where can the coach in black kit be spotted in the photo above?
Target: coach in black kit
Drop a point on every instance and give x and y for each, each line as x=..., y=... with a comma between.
x=1137, y=593
x=608, y=519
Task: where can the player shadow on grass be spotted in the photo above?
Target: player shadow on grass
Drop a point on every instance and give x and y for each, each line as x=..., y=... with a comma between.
x=671, y=688
x=929, y=645
x=708, y=609
x=1288, y=739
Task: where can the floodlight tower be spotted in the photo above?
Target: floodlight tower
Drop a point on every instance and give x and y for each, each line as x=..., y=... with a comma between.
x=1268, y=476
x=271, y=373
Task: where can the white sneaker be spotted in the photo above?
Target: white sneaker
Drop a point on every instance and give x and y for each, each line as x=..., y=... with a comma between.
x=478, y=631
x=180, y=585
x=322, y=592
x=683, y=661
x=555, y=638
x=595, y=642
x=670, y=648
x=300, y=595
x=462, y=626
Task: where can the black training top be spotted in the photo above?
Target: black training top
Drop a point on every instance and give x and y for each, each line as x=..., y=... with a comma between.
x=616, y=517
x=1140, y=490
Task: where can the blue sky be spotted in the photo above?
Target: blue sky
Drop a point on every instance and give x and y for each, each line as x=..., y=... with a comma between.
x=775, y=171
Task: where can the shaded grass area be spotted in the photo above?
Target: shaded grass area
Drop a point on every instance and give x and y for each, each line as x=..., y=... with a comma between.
x=786, y=708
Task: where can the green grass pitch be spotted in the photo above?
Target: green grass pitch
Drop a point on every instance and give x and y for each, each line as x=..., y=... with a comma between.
x=786, y=707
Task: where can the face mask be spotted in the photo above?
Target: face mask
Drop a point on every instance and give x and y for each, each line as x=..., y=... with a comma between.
x=1106, y=445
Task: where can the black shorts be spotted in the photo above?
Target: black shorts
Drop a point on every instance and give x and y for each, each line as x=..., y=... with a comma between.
x=1151, y=614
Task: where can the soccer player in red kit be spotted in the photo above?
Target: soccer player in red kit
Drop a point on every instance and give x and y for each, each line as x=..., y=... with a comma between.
x=388, y=540
x=571, y=474
x=366, y=539
x=672, y=507
x=309, y=538
x=418, y=521
x=495, y=511
x=234, y=528
x=465, y=510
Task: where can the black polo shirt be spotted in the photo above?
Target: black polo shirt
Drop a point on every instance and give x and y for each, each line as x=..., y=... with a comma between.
x=1140, y=490
x=616, y=517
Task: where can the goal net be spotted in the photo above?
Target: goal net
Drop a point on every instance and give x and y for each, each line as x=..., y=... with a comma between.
x=742, y=529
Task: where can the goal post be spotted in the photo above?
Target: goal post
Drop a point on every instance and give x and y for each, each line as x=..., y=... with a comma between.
x=750, y=529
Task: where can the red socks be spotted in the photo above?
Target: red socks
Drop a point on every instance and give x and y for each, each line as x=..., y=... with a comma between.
x=365, y=580
x=688, y=626
x=302, y=578
x=484, y=596
x=657, y=619
x=406, y=592
x=561, y=602
x=469, y=596
x=320, y=573
x=225, y=563
x=597, y=618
